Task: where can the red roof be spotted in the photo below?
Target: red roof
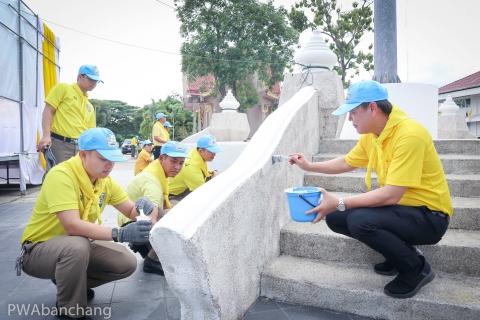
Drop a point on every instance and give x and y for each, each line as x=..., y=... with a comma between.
x=471, y=81
x=206, y=83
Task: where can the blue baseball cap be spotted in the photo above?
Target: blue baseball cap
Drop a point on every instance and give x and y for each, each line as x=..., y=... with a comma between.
x=174, y=149
x=210, y=143
x=363, y=91
x=145, y=142
x=103, y=141
x=90, y=71
x=167, y=124
x=160, y=115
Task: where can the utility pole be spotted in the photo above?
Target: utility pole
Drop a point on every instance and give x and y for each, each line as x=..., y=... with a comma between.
x=385, y=41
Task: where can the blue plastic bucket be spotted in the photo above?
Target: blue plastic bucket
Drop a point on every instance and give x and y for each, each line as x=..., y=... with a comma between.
x=298, y=202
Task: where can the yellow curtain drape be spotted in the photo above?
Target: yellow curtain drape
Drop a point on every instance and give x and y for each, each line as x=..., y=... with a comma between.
x=49, y=70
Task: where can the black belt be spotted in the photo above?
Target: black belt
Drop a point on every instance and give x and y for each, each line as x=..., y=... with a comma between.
x=64, y=139
x=441, y=215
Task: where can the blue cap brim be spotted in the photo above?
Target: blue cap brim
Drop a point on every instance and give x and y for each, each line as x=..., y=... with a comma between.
x=94, y=77
x=177, y=155
x=215, y=149
x=112, y=155
x=347, y=107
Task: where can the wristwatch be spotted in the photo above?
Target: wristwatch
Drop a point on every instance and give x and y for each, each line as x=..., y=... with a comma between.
x=115, y=234
x=341, y=205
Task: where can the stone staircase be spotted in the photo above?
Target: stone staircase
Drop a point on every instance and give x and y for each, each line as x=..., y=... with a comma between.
x=320, y=268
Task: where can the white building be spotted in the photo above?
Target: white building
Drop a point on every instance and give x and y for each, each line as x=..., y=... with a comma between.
x=466, y=94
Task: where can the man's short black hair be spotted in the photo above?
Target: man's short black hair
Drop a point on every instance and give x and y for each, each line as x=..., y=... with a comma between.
x=384, y=105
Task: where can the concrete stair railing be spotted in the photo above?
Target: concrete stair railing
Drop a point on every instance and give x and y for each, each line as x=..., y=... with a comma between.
x=320, y=268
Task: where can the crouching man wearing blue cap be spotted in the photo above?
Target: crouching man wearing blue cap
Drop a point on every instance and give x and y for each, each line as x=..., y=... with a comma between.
x=412, y=205
x=196, y=171
x=152, y=184
x=68, y=113
x=62, y=242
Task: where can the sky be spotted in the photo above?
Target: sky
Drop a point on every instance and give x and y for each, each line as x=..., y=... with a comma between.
x=136, y=43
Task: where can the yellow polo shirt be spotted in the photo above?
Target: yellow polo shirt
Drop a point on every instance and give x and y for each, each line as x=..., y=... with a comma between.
x=142, y=161
x=158, y=131
x=191, y=176
x=143, y=185
x=74, y=113
x=60, y=192
x=411, y=160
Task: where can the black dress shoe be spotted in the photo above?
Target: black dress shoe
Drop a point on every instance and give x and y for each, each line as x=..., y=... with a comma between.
x=140, y=248
x=387, y=269
x=152, y=266
x=406, y=285
x=90, y=292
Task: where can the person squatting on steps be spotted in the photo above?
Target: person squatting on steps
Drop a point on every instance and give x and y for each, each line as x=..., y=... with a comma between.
x=412, y=205
x=152, y=183
x=62, y=242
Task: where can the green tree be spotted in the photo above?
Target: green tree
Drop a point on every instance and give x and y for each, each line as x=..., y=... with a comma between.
x=233, y=40
x=172, y=107
x=117, y=116
x=344, y=27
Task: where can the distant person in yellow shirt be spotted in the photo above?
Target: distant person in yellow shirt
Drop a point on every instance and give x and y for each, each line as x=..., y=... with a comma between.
x=159, y=135
x=133, y=145
x=144, y=157
x=152, y=184
x=168, y=127
x=62, y=240
x=195, y=173
x=68, y=113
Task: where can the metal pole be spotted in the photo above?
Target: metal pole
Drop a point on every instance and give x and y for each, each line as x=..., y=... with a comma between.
x=20, y=74
x=385, y=41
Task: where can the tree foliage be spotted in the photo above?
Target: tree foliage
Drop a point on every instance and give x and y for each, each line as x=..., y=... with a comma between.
x=233, y=40
x=344, y=27
x=172, y=107
x=117, y=116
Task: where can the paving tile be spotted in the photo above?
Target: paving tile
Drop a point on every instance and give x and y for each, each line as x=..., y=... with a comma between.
x=268, y=315
x=139, y=275
x=138, y=291
x=263, y=304
x=32, y=316
x=173, y=309
x=103, y=294
x=39, y=297
x=97, y=312
x=139, y=310
x=168, y=292
x=9, y=256
x=10, y=280
x=304, y=313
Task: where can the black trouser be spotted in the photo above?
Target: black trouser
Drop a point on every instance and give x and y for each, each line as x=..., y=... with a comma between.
x=390, y=230
x=156, y=152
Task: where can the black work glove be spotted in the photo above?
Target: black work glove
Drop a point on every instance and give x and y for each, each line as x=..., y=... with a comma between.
x=145, y=204
x=135, y=232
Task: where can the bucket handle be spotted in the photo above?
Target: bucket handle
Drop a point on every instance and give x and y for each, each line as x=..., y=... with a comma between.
x=303, y=198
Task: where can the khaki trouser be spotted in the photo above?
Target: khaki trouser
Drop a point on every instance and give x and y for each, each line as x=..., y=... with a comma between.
x=63, y=151
x=77, y=263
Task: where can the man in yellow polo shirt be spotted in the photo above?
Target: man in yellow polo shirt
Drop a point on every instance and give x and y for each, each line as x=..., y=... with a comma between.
x=412, y=206
x=133, y=145
x=195, y=173
x=152, y=184
x=159, y=135
x=68, y=113
x=62, y=242
x=144, y=157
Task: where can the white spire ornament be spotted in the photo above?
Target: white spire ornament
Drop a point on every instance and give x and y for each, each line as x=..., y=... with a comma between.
x=449, y=107
x=316, y=55
x=229, y=103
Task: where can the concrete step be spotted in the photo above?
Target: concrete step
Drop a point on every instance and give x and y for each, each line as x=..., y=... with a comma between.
x=357, y=289
x=459, y=185
x=452, y=163
x=457, y=253
x=465, y=147
x=466, y=212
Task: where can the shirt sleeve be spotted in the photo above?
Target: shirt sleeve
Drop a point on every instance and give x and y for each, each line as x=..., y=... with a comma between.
x=117, y=194
x=56, y=94
x=92, y=123
x=193, y=178
x=67, y=199
x=358, y=156
x=155, y=131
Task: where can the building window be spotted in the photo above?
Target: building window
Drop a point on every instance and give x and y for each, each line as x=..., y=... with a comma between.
x=462, y=103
